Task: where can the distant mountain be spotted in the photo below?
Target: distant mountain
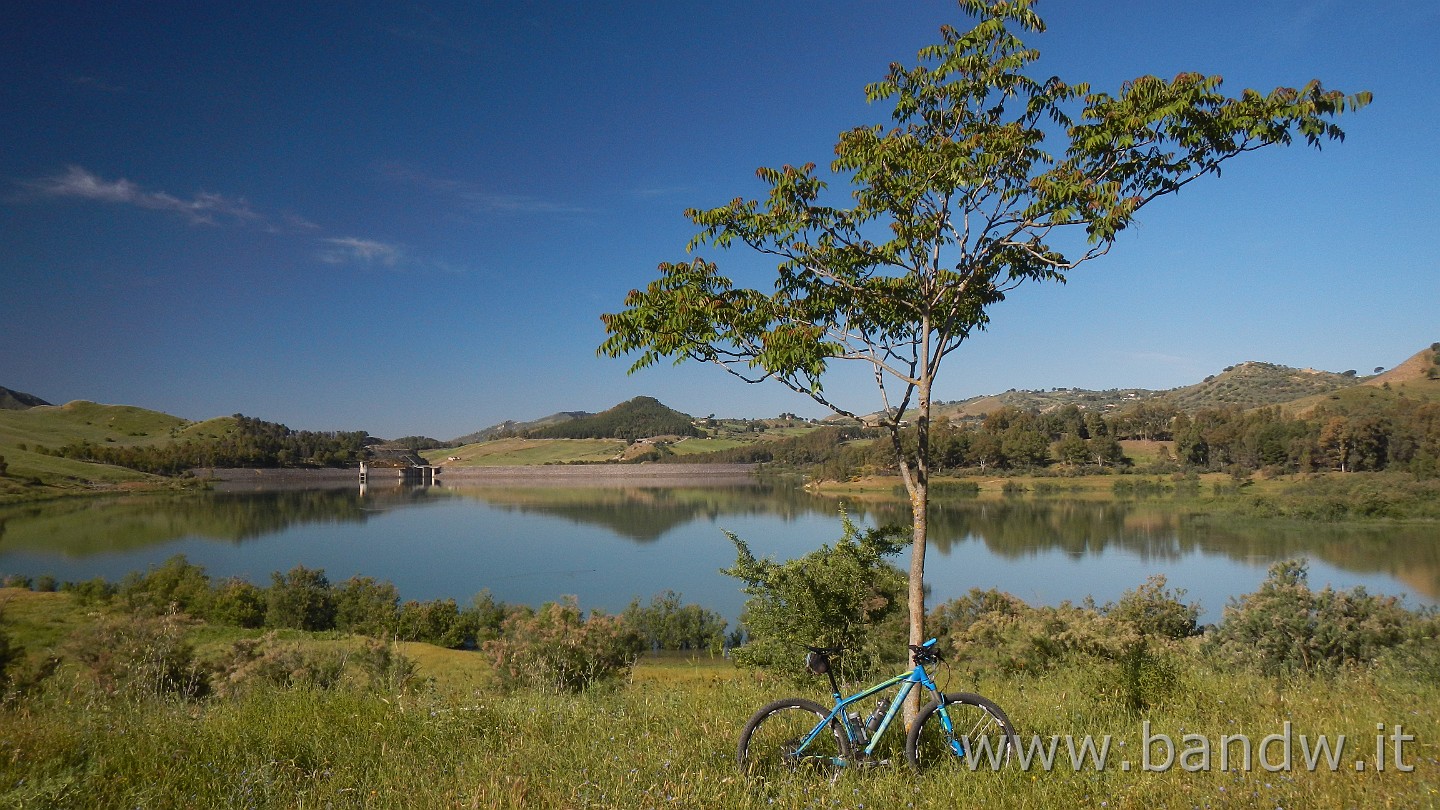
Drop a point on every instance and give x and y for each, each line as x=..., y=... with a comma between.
x=18, y=400
x=640, y=418
x=511, y=427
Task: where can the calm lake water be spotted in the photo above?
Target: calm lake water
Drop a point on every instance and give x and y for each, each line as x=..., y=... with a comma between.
x=610, y=544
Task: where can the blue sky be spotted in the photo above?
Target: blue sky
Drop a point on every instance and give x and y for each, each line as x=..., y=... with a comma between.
x=407, y=218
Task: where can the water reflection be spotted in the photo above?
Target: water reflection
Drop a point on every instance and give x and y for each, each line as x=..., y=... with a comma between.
x=451, y=540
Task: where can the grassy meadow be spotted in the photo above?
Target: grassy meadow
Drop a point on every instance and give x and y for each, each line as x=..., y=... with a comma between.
x=665, y=736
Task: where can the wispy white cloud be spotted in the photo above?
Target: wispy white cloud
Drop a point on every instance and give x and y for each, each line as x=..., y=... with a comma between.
x=477, y=198
x=519, y=203
x=662, y=191
x=202, y=207
x=209, y=208
x=351, y=250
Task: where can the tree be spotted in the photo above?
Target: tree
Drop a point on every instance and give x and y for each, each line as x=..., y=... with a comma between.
x=976, y=190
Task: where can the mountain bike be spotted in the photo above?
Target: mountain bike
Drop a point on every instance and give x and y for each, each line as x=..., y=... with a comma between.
x=796, y=734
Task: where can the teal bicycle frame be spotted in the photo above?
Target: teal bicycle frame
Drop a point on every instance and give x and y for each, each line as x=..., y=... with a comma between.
x=784, y=733
x=907, y=681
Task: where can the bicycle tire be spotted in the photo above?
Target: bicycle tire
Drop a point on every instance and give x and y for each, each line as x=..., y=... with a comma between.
x=767, y=745
x=977, y=722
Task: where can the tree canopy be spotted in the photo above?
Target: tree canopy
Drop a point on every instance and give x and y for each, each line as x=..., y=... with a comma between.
x=987, y=178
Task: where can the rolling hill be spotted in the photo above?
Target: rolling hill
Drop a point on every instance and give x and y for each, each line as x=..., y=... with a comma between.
x=26, y=430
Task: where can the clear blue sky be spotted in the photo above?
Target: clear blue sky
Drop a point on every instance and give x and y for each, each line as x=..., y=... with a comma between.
x=407, y=218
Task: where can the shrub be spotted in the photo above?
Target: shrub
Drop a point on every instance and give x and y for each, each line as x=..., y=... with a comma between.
x=374, y=665
x=831, y=597
x=665, y=624
x=1286, y=627
x=301, y=600
x=238, y=603
x=995, y=631
x=91, y=591
x=367, y=607
x=139, y=656
x=1155, y=610
x=439, y=622
x=558, y=649
x=487, y=615
x=175, y=585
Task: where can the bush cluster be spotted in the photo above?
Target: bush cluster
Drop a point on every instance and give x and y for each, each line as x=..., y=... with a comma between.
x=846, y=596
x=987, y=630
x=560, y=649
x=1286, y=627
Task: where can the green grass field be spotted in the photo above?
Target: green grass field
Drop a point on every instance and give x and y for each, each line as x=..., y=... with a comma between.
x=517, y=452
x=665, y=737
x=23, y=432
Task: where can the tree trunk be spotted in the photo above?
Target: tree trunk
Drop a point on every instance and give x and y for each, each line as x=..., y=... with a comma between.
x=917, y=484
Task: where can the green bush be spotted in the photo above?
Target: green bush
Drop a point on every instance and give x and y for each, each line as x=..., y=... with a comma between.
x=175, y=584
x=237, y=603
x=666, y=624
x=831, y=597
x=367, y=607
x=439, y=622
x=374, y=665
x=559, y=649
x=1286, y=627
x=1133, y=639
x=301, y=599
x=94, y=591
x=1157, y=611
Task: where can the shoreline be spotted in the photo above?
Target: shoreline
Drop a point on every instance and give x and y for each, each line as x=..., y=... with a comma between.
x=553, y=474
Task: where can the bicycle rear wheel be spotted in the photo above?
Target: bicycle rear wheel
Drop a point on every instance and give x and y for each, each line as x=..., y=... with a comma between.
x=980, y=735
x=770, y=743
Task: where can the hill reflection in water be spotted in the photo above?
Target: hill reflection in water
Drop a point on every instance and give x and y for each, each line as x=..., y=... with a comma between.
x=611, y=543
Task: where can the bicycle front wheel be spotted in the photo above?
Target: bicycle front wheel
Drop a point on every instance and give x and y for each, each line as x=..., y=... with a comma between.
x=771, y=742
x=966, y=730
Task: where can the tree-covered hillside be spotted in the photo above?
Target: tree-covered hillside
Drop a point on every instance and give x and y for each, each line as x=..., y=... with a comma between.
x=248, y=443
x=640, y=418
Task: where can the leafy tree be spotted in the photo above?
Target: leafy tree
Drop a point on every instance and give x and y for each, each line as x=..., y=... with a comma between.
x=1072, y=450
x=976, y=190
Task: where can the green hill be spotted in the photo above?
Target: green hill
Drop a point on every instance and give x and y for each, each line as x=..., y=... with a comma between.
x=24, y=432
x=640, y=418
x=1253, y=385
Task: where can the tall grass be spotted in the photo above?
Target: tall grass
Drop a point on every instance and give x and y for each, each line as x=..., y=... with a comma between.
x=666, y=739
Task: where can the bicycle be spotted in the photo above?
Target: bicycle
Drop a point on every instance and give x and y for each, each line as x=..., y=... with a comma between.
x=796, y=733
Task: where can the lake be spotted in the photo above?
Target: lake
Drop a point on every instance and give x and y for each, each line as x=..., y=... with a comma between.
x=612, y=541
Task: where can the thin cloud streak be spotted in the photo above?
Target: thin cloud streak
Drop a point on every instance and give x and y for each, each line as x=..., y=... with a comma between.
x=203, y=208
x=350, y=249
x=206, y=208
x=476, y=198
